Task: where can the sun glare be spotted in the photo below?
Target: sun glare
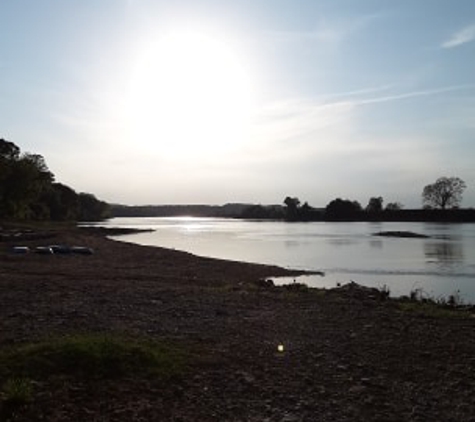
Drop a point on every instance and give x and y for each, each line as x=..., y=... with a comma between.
x=190, y=95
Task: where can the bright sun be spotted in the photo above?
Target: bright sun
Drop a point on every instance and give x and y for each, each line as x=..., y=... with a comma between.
x=190, y=95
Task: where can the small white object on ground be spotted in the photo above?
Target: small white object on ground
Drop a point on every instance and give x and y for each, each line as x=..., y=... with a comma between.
x=20, y=249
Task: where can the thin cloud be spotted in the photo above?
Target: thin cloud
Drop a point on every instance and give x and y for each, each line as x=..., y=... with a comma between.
x=413, y=94
x=300, y=126
x=463, y=36
x=296, y=119
x=357, y=92
x=326, y=31
x=300, y=118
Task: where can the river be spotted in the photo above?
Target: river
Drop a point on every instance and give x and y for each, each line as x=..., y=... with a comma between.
x=438, y=266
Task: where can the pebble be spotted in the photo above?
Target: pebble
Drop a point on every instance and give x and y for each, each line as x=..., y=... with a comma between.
x=357, y=389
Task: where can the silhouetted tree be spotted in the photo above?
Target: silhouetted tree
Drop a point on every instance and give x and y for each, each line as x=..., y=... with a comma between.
x=255, y=211
x=262, y=212
x=292, y=203
x=9, y=154
x=62, y=202
x=27, y=190
x=292, y=210
x=394, y=206
x=342, y=209
x=91, y=209
x=8, y=150
x=23, y=180
x=306, y=212
x=445, y=192
x=375, y=205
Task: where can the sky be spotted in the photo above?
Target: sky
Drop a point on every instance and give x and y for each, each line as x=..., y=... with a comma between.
x=209, y=102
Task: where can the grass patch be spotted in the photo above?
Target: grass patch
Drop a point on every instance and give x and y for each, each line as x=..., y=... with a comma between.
x=92, y=357
x=433, y=310
x=442, y=307
x=295, y=287
x=17, y=391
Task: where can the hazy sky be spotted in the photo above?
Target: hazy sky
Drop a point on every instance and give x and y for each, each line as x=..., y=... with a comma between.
x=149, y=101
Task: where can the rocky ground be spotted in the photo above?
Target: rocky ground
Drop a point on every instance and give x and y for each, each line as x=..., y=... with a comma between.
x=349, y=354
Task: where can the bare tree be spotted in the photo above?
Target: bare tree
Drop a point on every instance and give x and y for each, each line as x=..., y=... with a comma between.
x=445, y=192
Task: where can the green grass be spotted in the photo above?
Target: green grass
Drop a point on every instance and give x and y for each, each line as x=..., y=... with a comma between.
x=31, y=370
x=17, y=391
x=92, y=357
x=433, y=309
x=296, y=287
x=442, y=307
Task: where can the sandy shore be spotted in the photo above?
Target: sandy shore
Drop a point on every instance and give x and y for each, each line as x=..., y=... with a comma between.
x=349, y=354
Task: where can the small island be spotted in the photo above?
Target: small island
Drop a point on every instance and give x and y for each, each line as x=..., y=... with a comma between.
x=404, y=234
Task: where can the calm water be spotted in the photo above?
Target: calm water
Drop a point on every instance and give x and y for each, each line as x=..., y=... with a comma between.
x=441, y=265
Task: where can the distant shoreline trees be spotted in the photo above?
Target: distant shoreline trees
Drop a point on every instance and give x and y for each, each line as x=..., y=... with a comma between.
x=292, y=210
x=28, y=191
x=296, y=212
x=343, y=209
x=437, y=198
x=375, y=205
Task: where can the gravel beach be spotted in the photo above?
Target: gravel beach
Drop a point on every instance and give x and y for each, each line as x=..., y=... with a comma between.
x=256, y=352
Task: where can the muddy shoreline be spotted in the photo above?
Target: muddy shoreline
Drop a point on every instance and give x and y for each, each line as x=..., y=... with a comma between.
x=351, y=354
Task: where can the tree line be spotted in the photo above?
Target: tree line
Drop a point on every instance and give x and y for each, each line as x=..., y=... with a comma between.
x=441, y=201
x=28, y=191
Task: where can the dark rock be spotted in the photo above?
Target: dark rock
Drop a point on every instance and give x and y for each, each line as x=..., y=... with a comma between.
x=404, y=234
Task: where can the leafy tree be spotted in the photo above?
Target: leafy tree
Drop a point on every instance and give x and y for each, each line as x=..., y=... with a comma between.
x=8, y=150
x=28, y=191
x=342, y=209
x=292, y=210
x=445, y=192
x=262, y=212
x=254, y=211
x=62, y=202
x=9, y=154
x=23, y=180
x=292, y=203
x=306, y=212
x=375, y=205
x=394, y=206
x=91, y=208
